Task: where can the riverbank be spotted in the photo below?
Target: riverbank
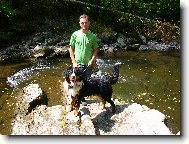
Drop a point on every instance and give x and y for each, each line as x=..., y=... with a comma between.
x=46, y=43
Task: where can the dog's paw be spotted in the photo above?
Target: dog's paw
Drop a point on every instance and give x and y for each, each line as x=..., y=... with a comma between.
x=76, y=113
x=113, y=110
x=69, y=108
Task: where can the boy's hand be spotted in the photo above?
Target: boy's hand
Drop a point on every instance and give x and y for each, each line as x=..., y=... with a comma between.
x=90, y=63
x=74, y=65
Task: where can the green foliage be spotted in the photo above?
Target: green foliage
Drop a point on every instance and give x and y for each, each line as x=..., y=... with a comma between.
x=145, y=8
x=6, y=10
x=165, y=9
x=125, y=16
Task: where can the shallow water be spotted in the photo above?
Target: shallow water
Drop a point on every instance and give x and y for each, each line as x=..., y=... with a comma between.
x=152, y=79
x=149, y=78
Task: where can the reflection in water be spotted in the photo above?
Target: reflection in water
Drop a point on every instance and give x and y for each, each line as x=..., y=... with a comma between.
x=147, y=78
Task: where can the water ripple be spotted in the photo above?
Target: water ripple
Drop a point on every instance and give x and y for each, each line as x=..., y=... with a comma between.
x=27, y=73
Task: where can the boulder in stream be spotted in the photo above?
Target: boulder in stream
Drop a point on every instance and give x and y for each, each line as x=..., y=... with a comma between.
x=129, y=119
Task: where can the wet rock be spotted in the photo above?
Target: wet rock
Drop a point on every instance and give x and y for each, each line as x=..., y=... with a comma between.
x=121, y=41
x=49, y=51
x=39, y=51
x=14, y=53
x=108, y=50
x=133, y=47
x=48, y=45
x=60, y=51
x=160, y=46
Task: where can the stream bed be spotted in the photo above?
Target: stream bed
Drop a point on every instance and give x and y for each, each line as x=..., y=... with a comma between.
x=149, y=78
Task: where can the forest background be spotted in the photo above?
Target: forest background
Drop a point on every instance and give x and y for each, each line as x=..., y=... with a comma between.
x=149, y=18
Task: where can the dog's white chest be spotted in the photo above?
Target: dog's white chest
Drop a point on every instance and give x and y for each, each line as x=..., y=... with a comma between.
x=74, y=90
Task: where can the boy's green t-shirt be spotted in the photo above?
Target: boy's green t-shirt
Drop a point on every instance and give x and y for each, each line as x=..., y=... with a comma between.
x=83, y=45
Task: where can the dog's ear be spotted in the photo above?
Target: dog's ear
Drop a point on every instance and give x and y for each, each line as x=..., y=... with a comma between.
x=67, y=72
x=79, y=71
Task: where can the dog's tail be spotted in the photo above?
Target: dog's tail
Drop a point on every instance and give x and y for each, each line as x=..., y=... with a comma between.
x=115, y=75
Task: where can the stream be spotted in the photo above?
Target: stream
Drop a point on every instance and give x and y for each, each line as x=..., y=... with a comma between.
x=149, y=78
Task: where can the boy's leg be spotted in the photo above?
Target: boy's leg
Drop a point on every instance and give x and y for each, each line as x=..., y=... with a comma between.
x=87, y=73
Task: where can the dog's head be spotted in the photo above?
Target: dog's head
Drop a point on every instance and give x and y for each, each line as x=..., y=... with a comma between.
x=73, y=75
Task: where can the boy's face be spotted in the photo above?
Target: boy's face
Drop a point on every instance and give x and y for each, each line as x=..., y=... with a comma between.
x=84, y=24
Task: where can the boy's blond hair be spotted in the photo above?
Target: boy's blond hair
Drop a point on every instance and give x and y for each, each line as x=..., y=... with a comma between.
x=84, y=16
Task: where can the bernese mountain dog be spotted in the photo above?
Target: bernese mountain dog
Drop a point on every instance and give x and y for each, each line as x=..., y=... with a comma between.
x=77, y=87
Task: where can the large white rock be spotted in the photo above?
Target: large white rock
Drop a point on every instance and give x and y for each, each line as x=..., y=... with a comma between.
x=129, y=119
x=31, y=92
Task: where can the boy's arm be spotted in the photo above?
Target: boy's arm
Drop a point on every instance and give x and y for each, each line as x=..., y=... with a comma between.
x=93, y=57
x=74, y=63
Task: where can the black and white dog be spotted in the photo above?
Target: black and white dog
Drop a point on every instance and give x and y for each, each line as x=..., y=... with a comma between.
x=77, y=87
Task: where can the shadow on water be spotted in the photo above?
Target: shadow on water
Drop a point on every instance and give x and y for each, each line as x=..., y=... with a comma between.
x=147, y=78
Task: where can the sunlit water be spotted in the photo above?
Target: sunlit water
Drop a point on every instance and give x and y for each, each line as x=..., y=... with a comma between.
x=147, y=78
